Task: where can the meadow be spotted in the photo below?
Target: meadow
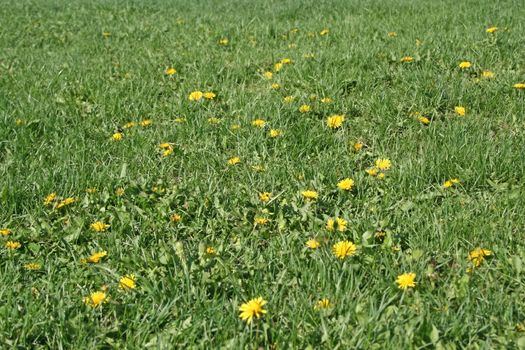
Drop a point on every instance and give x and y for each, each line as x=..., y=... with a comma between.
x=262, y=174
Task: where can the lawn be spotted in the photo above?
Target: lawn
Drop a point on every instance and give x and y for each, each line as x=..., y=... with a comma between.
x=262, y=174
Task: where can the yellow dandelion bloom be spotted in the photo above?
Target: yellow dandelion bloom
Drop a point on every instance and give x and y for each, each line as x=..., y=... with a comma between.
x=305, y=109
x=346, y=184
x=324, y=32
x=224, y=41
x=392, y=34
x=234, y=160
x=211, y=251
x=268, y=75
x=275, y=86
x=260, y=123
x=167, y=152
x=5, y=232
x=344, y=249
x=492, y=30
x=95, y=257
x=326, y=100
x=175, y=217
x=488, y=74
x=235, y=127
x=286, y=61
x=450, y=183
x=330, y=225
x=260, y=220
x=127, y=282
x=130, y=125
x=288, y=99
x=95, y=299
x=32, y=266
x=209, y=95
x=214, y=120
x=99, y=226
x=50, y=198
x=252, y=308
x=310, y=195
x=322, y=304
x=13, y=245
x=117, y=136
x=313, y=243
x=146, y=122
x=406, y=280
x=358, y=146
x=335, y=121
x=465, y=65
x=170, y=71
x=165, y=145
x=196, y=96
x=424, y=120
x=65, y=202
x=372, y=171
x=278, y=66
x=407, y=59
x=477, y=256
x=180, y=120
x=265, y=196
x=120, y=191
x=275, y=133
x=461, y=111
x=383, y=164
x=519, y=86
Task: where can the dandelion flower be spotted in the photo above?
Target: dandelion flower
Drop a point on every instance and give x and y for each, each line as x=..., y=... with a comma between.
x=313, y=243
x=286, y=61
x=95, y=257
x=461, y=111
x=407, y=59
x=32, y=266
x=130, y=125
x=488, y=74
x=50, y=198
x=343, y=249
x=260, y=123
x=278, y=66
x=358, y=146
x=120, y=191
x=13, y=245
x=211, y=251
x=214, y=120
x=288, y=99
x=146, y=122
x=268, y=75
x=324, y=32
x=180, y=120
x=251, y=309
x=372, y=171
x=275, y=86
x=450, y=183
x=305, y=109
x=392, y=34
x=335, y=121
x=346, y=184
x=175, y=217
x=234, y=160
x=99, y=226
x=5, y=232
x=127, y=282
x=492, y=30
x=465, y=65
x=235, y=127
x=224, y=41
x=65, y=202
x=265, y=196
x=170, y=71
x=95, y=299
x=424, y=120
x=275, y=133
x=383, y=164
x=196, y=96
x=519, y=86
x=261, y=221
x=117, y=136
x=326, y=100
x=477, y=256
x=406, y=280
x=310, y=195
x=339, y=222
x=322, y=304
x=209, y=95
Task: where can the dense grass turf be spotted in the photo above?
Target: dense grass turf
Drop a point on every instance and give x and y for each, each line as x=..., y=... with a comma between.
x=183, y=222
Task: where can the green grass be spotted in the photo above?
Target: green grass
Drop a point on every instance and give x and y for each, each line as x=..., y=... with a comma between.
x=71, y=88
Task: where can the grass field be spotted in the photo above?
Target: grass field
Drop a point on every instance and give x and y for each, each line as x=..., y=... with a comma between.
x=156, y=159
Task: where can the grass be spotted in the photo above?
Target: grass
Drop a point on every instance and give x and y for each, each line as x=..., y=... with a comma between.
x=66, y=88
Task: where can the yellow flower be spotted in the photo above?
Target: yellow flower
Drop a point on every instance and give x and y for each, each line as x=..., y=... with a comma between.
x=214, y=120
x=170, y=71
x=12, y=245
x=175, y=217
x=275, y=133
x=117, y=136
x=286, y=61
x=146, y=122
x=343, y=249
x=488, y=74
x=165, y=145
x=278, y=66
x=331, y=223
x=276, y=86
x=95, y=257
x=260, y=220
x=130, y=125
x=477, y=256
x=265, y=196
x=235, y=126
x=407, y=59
x=120, y=191
x=209, y=95
x=180, y=120
x=383, y=164
x=251, y=309
x=461, y=111
x=358, y=146
x=424, y=120
x=310, y=195
x=234, y=160
x=313, y=244
x=65, y=202
x=211, y=251
x=326, y=100
x=268, y=75
x=346, y=184
x=196, y=96
x=322, y=304
x=519, y=86
x=324, y=32
x=465, y=65
x=392, y=34
x=372, y=171
x=32, y=266
x=335, y=121
x=167, y=152
x=288, y=99
x=492, y=30
x=95, y=299
x=99, y=226
x=50, y=198
x=305, y=109
x=224, y=41
x=406, y=280
x=127, y=282
x=450, y=183
x=260, y=123
x=5, y=232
